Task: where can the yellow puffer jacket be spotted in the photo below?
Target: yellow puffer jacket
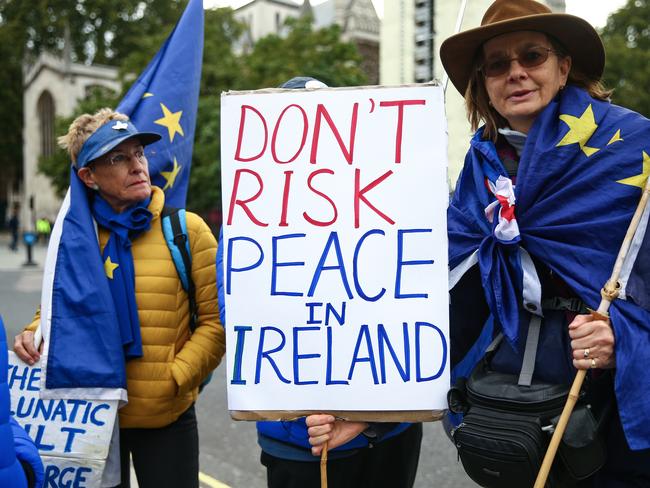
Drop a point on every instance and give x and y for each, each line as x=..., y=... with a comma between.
x=164, y=382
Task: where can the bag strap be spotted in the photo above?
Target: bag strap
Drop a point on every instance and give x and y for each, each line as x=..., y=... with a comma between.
x=566, y=304
x=532, y=338
x=530, y=353
x=494, y=344
x=174, y=228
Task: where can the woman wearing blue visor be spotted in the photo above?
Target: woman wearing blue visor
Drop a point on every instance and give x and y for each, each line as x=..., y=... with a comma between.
x=127, y=326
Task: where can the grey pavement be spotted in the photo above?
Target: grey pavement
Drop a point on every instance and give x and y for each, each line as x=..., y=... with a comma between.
x=228, y=449
x=15, y=260
x=21, y=283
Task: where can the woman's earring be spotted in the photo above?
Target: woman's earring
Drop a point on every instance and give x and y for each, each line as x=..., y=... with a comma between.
x=95, y=186
x=561, y=87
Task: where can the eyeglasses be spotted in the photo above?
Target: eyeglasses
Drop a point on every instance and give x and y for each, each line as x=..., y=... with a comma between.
x=527, y=58
x=122, y=158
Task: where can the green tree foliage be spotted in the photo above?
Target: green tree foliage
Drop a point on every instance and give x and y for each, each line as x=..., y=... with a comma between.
x=304, y=51
x=11, y=107
x=99, y=31
x=127, y=34
x=222, y=71
x=627, y=42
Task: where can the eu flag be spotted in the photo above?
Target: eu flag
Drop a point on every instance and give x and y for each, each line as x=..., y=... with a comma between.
x=580, y=177
x=164, y=99
x=83, y=354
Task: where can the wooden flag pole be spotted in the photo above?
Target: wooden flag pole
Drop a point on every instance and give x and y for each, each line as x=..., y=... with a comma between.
x=323, y=467
x=609, y=293
x=459, y=23
x=38, y=337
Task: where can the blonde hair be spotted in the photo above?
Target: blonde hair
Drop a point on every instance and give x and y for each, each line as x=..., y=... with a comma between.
x=477, y=101
x=83, y=127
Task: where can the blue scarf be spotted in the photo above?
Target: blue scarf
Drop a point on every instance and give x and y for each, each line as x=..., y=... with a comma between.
x=577, y=188
x=118, y=265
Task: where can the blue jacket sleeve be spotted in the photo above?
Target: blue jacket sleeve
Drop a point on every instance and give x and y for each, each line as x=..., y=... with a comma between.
x=27, y=454
x=220, y=281
x=11, y=471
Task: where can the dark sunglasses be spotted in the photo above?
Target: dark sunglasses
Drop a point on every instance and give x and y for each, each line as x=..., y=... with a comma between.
x=527, y=58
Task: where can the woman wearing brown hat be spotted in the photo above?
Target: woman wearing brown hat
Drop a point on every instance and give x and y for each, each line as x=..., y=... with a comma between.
x=549, y=185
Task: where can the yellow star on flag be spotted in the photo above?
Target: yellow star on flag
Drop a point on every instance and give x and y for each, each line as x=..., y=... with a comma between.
x=147, y=95
x=171, y=120
x=616, y=137
x=639, y=180
x=170, y=176
x=109, y=267
x=580, y=130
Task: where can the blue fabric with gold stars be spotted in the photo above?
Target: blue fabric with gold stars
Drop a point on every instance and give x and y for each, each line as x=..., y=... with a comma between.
x=579, y=181
x=119, y=268
x=164, y=99
x=84, y=355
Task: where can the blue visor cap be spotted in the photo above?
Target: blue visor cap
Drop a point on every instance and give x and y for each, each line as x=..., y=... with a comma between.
x=108, y=137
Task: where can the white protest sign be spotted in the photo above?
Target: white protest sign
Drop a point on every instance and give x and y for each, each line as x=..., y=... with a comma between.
x=72, y=435
x=335, y=249
x=72, y=472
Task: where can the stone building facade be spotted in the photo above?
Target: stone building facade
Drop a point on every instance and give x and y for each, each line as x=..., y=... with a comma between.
x=412, y=32
x=52, y=88
x=358, y=20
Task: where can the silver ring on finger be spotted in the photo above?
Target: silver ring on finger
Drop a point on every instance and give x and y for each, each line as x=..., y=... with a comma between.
x=586, y=353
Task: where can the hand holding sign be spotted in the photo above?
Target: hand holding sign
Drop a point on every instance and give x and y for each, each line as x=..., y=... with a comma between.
x=326, y=430
x=26, y=349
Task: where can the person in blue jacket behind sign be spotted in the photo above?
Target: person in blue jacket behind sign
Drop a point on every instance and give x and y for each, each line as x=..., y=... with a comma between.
x=372, y=455
x=20, y=464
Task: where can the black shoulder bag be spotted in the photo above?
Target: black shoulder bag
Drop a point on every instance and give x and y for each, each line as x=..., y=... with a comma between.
x=508, y=421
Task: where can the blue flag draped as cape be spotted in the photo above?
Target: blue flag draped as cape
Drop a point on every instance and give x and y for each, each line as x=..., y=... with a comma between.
x=83, y=355
x=578, y=184
x=164, y=99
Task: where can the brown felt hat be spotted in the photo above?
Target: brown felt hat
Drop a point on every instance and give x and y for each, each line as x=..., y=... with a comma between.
x=578, y=37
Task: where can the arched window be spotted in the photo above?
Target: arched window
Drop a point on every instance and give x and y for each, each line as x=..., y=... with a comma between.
x=45, y=109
